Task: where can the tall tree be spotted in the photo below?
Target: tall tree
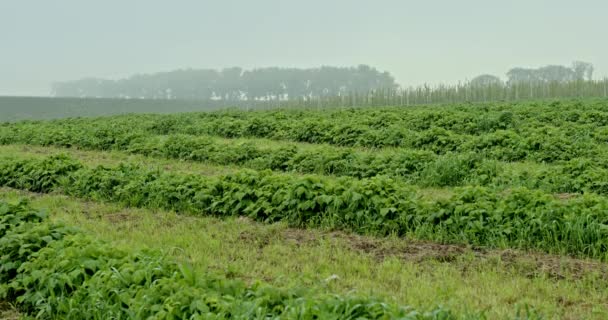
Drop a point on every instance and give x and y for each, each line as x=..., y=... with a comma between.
x=234, y=84
x=555, y=73
x=552, y=73
x=485, y=80
x=522, y=75
x=583, y=70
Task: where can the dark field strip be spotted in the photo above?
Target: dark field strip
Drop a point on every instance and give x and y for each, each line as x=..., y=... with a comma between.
x=517, y=218
x=53, y=271
x=40, y=108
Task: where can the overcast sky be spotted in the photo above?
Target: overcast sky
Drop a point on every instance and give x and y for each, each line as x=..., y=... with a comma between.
x=417, y=41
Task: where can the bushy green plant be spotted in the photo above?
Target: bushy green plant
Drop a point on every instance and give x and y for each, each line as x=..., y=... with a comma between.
x=520, y=218
x=53, y=272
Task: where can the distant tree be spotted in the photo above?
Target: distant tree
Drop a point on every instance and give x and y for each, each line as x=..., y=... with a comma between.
x=552, y=73
x=555, y=73
x=234, y=84
x=522, y=75
x=228, y=85
x=582, y=70
x=485, y=80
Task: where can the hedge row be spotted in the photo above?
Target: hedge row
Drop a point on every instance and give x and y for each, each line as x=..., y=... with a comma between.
x=519, y=218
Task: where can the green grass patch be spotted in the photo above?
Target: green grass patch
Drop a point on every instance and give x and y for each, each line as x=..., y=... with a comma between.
x=53, y=271
x=114, y=158
x=420, y=274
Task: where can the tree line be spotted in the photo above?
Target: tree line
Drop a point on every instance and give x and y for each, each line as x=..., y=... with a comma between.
x=578, y=71
x=337, y=86
x=233, y=84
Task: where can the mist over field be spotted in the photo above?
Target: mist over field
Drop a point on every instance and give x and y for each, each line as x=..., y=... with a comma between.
x=416, y=42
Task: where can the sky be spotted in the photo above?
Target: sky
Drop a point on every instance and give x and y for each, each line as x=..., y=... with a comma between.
x=417, y=41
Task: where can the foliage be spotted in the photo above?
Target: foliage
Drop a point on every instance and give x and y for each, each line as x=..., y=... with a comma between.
x=519, y=217
x=539, y=132
x=55, y=272
x=432, y=147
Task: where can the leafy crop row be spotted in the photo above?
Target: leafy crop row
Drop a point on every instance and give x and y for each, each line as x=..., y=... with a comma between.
x=580, y=175
x=543, y=133
x=457, y=119
x=520, y=217
x=413, y=166
x=55, y=272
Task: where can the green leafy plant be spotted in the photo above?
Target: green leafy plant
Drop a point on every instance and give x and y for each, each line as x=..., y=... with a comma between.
x=53, y=272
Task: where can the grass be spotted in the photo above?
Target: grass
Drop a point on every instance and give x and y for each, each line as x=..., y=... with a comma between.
x=114, y=158
x=420, y=274
x=445, y=170
x=145, y=188
x=8, y=312
x=93, y=158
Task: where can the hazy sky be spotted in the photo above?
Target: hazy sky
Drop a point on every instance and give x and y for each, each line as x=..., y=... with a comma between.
x=417, y=41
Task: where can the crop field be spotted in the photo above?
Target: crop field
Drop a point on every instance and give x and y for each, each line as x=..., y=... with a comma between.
x=462, y=211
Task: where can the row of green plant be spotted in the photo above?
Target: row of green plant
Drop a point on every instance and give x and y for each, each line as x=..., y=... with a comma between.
x=470, y=119
x=512, y=136
x=413, y=166
x=52, y=271
x=544, y=143
x=518, y=218
x=417, y=167
x=458, y=119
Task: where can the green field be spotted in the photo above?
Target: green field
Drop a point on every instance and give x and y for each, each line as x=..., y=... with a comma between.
x=492, y=211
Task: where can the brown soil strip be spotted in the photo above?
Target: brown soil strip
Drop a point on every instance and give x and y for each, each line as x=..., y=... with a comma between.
x=532, y=264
